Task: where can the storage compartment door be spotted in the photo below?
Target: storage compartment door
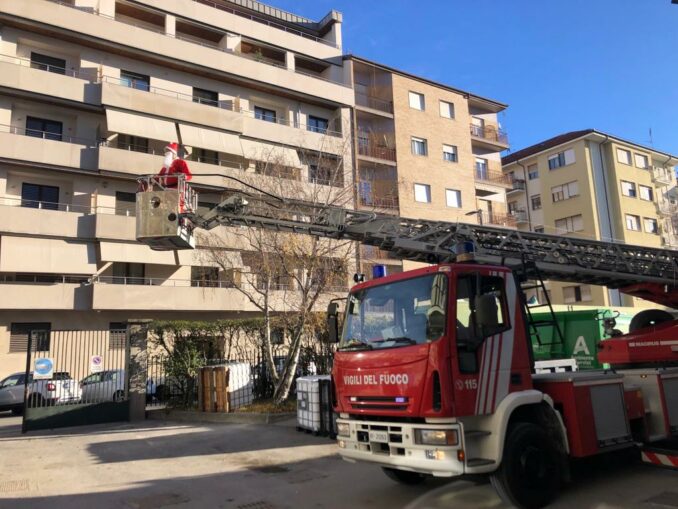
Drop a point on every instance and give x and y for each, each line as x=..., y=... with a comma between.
x=609, y=413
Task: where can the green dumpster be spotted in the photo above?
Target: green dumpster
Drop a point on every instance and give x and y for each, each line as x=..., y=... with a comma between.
x=581, y=333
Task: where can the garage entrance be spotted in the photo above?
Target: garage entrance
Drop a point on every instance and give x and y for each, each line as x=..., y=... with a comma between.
x=75, y=377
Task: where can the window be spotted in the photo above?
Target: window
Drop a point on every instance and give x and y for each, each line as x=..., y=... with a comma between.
x=36, y=196
x=561, y=159
x=565, y=192
x=133, y=143
x=532, y=172
x=317, y=124
x=125, y=203
x=39, y=334
x=417, y=101
x=205, y=277
x=641, y=161
x=628, y=189
x=651, y=225
x=44, y=128
x=134, y=80
x=538, y=229
x=446, y=109
x=265, y=114
x=49, y=64
x=419, y=146
x=573, y=294
x=632, y=222
x=208, y=97
x=623, y=156
x=450, y=153
x=535, y=201
x=570, y=224
x=13, y=380
x=481, y=169
x=478, y=127
x=117, y=335
x=453, y=198
x=128, y=273
x=512, y=207
x=646, y=193
x=422, y=193
x=203, y=155
x=481, y=313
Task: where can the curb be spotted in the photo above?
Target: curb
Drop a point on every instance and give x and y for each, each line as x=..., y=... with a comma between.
x=163, y=414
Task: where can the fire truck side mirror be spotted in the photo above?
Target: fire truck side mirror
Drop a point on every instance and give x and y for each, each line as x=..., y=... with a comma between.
x=333, y=322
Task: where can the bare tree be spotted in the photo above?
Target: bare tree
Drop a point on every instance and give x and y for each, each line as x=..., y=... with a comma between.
x=288, y=277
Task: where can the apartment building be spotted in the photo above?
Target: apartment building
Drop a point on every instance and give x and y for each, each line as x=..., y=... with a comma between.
x=425, y=150
x=91, y=91
x=595, y=185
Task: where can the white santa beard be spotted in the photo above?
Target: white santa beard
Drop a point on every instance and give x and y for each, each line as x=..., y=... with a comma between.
x=169, y=158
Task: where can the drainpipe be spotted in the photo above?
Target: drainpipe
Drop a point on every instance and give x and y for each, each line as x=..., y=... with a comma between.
x=527, y=196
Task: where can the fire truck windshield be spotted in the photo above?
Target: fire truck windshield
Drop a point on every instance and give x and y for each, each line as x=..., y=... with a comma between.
x=396, y=314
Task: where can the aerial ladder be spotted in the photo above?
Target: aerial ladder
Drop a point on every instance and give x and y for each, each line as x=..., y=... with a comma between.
x=475, y=416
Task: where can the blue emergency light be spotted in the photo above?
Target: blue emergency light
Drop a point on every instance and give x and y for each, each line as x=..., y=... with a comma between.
x=378, y=271
x=465, y=251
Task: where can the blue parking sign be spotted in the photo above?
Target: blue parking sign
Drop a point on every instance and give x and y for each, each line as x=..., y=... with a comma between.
x=43, y=369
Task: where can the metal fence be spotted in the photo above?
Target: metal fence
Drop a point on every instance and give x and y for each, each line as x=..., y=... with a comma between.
x=172, y=382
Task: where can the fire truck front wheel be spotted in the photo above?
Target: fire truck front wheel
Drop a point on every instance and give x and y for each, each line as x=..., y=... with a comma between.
x=530, y=472
x=404, y=476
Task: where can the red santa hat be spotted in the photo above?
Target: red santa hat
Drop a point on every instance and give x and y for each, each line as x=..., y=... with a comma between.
x=172, y=147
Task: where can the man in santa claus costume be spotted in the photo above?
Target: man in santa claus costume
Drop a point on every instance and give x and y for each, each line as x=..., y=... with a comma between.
x=173, y=165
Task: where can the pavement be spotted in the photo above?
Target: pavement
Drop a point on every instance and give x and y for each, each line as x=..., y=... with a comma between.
x=158, y=464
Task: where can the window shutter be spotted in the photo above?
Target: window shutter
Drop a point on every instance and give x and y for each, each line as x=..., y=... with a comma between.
x=569, y=156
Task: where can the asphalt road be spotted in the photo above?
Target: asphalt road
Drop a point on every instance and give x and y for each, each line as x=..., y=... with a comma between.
x=162, y=464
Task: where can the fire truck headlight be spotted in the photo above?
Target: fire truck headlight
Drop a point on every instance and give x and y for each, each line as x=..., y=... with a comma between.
x=343, y=429
x=436, y=437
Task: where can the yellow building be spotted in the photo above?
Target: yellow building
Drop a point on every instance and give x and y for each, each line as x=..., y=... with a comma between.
x=594, y=185
x=425, y=150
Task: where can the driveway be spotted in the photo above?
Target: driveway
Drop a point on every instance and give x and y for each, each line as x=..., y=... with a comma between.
x=159, y=464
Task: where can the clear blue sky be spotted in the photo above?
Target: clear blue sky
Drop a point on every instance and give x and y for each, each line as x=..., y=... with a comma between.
x=561, y=65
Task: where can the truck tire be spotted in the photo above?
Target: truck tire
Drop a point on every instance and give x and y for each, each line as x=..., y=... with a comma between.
x=404, y=476
x=529, y=476
x=649, y=317
x=18, y=410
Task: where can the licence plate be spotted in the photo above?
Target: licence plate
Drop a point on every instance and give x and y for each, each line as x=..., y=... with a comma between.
x=378, y=436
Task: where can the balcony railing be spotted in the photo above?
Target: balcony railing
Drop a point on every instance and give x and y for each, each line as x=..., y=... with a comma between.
x=499, y=219
x=147, y=281
x=489, y=133
x=47, y=135
x=42, y=279
x=517, y=185
x=520, y=215
x=27, y=62
x=369, y=199
x=662, y=175
x=370, y=149
x=484, y=174
x=374, y=253
x=667, y=207
x=375, y=103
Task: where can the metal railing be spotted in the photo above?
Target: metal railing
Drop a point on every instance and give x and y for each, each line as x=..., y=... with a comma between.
x=490, y=133
x=369, y=149
x=42, y=279
x=662, y=175
x=90, y=76
x=9, y=201
x=47, y=135
x=375, y=103
x=517, y=185
x=499, y=219
x=162, y=282
x=369, y=199
x=667, y=206
x=299, y=33
x=520, y=215
x=484, y=174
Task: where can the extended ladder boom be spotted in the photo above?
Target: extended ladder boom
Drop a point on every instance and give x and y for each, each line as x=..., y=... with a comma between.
x=557, y=257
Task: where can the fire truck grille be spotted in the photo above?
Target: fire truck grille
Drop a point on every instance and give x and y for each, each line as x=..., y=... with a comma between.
x=379, y=402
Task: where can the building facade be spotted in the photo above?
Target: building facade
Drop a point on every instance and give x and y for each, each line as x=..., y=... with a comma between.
x=425, y=150
x=594, y=185
x=91, y=91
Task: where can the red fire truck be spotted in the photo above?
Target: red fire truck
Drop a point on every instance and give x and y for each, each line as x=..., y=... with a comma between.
x=434, y=373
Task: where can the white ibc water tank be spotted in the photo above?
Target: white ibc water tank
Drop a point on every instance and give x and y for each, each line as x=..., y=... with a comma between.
x=309, y=402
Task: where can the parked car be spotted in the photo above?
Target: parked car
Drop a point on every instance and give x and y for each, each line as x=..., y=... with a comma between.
x=60, y=389
x=108, y=385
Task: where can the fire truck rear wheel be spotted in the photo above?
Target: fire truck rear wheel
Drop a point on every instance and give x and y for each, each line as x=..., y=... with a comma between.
x=404, y=476
x=530, y=473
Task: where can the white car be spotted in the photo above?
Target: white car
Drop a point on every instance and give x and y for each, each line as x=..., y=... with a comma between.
x=60, y=389
x=105, y=386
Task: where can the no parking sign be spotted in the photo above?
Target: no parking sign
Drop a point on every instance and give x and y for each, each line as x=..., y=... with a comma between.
x=96, y=364
x=43, y=369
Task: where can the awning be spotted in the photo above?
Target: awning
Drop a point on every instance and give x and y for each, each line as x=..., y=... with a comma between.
x=272, y=154
x=140, y=125
x=54, y=256
x=210, y=139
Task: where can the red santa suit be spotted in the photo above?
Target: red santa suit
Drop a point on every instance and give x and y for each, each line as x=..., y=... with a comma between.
x=173, y=166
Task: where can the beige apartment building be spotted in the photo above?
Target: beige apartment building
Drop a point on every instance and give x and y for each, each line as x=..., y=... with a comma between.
x=595, y=185
x=91, y=91
x=425, y=150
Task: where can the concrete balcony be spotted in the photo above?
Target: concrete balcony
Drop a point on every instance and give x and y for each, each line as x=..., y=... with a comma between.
x=296, y=136
x=663, y=176
x=499, y=219
x=47, y=149
x=22, y=74
x=489, y=137
x=520, y=216
x=372, y=151
x=44, y=296
x=486, y=176
x=129, y=162
x=192, y=54
x=115, y=227
x=165, y=103
x=46, y=219
x=517, y=186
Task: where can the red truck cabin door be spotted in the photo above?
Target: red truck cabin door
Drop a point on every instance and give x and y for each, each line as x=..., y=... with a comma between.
x=489, y=348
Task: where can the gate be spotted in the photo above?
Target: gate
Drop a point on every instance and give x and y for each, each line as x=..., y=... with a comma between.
x=75, y=377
